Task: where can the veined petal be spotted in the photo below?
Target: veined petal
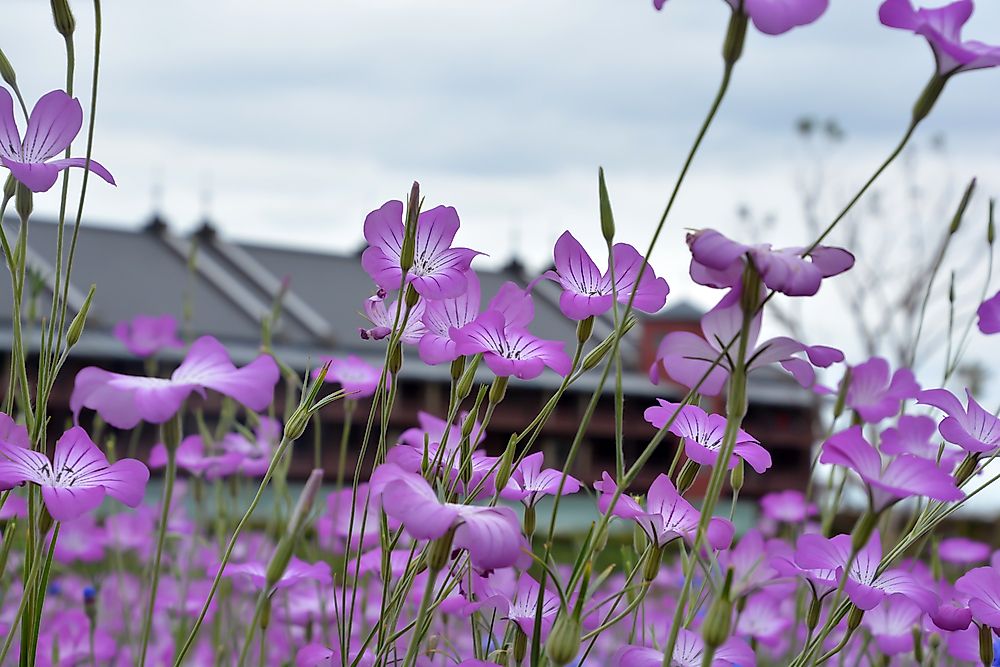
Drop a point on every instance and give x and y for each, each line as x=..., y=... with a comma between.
x=52, y=126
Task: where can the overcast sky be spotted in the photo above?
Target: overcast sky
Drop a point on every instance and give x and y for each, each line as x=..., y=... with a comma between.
x=287, y=122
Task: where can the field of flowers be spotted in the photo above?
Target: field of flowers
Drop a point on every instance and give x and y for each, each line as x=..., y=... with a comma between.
x=429, y=551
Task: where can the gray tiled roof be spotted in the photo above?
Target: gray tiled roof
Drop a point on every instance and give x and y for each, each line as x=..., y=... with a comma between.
x=144, y=271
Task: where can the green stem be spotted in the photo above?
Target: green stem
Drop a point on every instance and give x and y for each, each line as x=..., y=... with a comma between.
x=154, y=576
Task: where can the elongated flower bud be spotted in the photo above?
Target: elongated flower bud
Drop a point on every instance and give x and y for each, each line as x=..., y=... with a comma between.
x=564, y=640
x=956, y=220
x=24, y=202
x=305, y=503
x=595, y=356
x=457, y=366
x=78, y=323
x=412, y=296
x=410, y=229
x=498, y=390
x=584, y=328
x=501, y=656
x=529, y=520
x=719, y=620
x=7, y=70
x=986, y=644
x=991, y=230
x=966, y=468
x=863, y=530
x=396, y=358
x=845, y=383
x=736, y=35
x=652, y=567
x=63, y=17
x=520, y=644
x=689, y=472
x=506, y=464
x=854, y=618
x=812, y=616
x=300, y=417
x=464, y=386
x=737, y=475
x=607, y=217
x=170, y=432
x=439, y=551
x=918, y=644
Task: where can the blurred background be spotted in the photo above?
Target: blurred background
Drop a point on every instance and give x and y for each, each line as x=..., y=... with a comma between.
x=283, y=124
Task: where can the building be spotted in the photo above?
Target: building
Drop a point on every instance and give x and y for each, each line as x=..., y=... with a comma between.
x=226, y=289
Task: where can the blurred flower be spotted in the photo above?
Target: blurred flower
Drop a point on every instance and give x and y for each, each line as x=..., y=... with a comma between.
x=439, y=271
x=891, y=624
x=717, y=261
x=255, y=455
x=686, y=356
x=688, y=652
x=54, y=123
x=905, y=475
x=358, y=378
x=913, y=434
x=528, y=483
x=491, y=535
x=873, y=394
x=145, y=335
x=78, y=477
x=586, y=292
x=297, y=572
x=703, y=433
x=383, y=318
x=510, y=350
x=191, y=457
x=125, y=400
x=942, y=28
x=787, y=506
x=963, y=551
x=982, y=586
x=989, y=315
x=666, y=516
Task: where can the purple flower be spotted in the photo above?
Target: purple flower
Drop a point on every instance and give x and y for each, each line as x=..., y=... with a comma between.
x=703, y=433
x=826, y=559
x=491, y=535
x=942, y=28
x=688, y=650
x=989, y=315
x=510, y=350
x=358, y=378
x=905, y=475
x=337, y=525
x=523, y=606
x=433, y=428
x=717, y=261
x=145, y=335
x=787, y=506
x=587, y=292
x=667, y=515
x=982, y=586
x=440, y=317
x=972, y=428
x=125, y=400
x=439, y=270
x=773, y=17
x=528, y=483
x=686, y=357
x=891, y=624
x=914, y=435
x=875, y=392
x=77, y=478
x=254, y=574
x=81, y=540
x=444, y=459
x=963, y=551
x=383, y=318
x=54, y=123
x=763, y=620
x=191, y=457
x=254, y=456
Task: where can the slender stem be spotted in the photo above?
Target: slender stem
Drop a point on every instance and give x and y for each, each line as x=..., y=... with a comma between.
x=154, y=575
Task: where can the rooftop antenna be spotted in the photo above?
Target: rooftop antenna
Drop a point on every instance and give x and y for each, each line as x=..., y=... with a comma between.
x=207, y=196
x=156, y=222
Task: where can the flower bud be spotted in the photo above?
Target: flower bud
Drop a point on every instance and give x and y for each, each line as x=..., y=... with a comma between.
x=918, y=644
x=652, y=566
x=439, y=551
x=7, y=70
x=689, y=472
x=170, y=432
x=719, y=619
x=845, y=383
x=498, y=390
x=956, y=220
x=76, y=326
x=304, y=505
x=506, y=464
x=736, y=476
x=584, y=328
x=991, y=230
x=396, y=358
x=966, y=468
x=854, y=618
x=412, y=296
x=501, y=656
x=812, y=616
x=23, y=202
x=63, y=17
x=736, y=35
x=607, y=218
x=986, y=644
x=410, y=229
x=928, y=97
x=529, y=520
x=520, y=644
x=564, y=640
x=863, y=530
x=457, y=366
x=595, y=356
x=9, y=187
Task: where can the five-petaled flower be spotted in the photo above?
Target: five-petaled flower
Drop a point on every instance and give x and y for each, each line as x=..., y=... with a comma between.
x=77, y=478
x=942, y=28
x=587, y=292
x=972, y=428
x=54, y=123
x=510, y=350
x=439, y=271
x=145, y=335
